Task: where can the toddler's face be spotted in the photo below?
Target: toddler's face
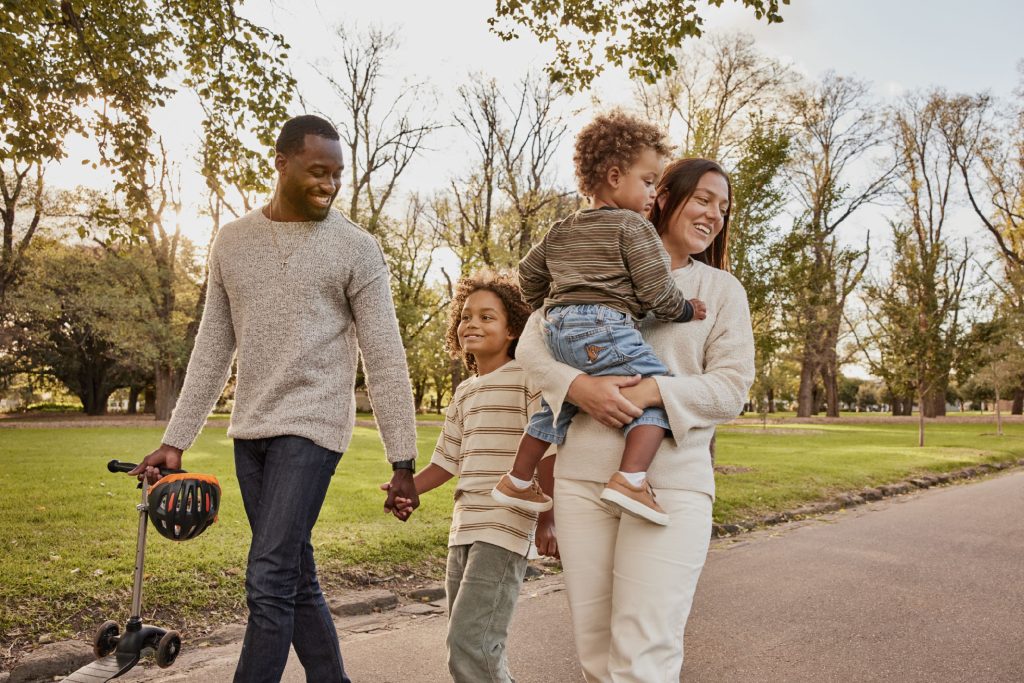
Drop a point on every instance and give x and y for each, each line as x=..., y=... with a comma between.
x=636, y=189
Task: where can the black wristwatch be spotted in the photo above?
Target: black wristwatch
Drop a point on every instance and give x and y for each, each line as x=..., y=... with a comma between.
x=404, y=465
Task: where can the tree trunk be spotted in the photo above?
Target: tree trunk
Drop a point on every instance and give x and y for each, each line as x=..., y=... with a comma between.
x=457, y=372
x=1017, y=407
x=770, y=393
x=933, y=402
x=167, y=388
x=828, y=376
x=149, y=400
x=902, y=405
x=805, y=397
x=419, y=391
x=133, y=400
x=94, y=399
x=999, y=413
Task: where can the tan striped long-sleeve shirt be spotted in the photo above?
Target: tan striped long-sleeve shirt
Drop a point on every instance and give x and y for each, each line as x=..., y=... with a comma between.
x=604, y=256
x=484, y=423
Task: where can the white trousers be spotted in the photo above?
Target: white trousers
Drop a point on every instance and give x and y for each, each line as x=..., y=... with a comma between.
x=630, y=583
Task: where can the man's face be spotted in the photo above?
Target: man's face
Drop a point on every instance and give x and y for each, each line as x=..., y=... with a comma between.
x=310, y=179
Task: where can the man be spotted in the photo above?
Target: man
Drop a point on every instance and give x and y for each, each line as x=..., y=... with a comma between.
x=295, y=288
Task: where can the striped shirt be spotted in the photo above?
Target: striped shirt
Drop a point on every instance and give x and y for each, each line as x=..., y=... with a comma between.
x=604, y=256
x=485, y=421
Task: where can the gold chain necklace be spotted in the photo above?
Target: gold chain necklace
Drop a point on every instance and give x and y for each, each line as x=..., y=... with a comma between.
x=273, y=236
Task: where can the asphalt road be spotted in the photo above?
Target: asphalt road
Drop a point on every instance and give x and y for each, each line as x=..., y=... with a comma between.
x=925, y=587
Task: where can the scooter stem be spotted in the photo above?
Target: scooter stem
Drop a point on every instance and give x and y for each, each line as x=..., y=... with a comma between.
x=140, y=555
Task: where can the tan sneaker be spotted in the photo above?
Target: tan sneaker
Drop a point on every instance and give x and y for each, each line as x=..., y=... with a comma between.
x=636, y=500
x=532, y=499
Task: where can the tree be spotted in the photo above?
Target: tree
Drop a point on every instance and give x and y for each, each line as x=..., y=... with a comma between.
x=711, y=102
x=409, y=246
x=834, y=128
x=930, y=270
x=100, y=68
x=529, y=142
x=78, y=319
x=588, y=34
x=913, y=320
x=996, y=359
x=492, y=215
x=986, y=142
x=21, y=186
x=381, y=137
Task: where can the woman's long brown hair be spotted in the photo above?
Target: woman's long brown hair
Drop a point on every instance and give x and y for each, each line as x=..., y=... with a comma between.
x=677, y=184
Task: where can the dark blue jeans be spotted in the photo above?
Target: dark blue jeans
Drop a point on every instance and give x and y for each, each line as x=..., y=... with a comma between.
x=284, y=481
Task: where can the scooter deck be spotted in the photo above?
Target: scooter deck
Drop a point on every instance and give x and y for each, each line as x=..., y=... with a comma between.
x=104, y=669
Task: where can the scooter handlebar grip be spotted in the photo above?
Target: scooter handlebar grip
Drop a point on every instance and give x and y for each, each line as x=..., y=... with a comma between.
x=118, y=466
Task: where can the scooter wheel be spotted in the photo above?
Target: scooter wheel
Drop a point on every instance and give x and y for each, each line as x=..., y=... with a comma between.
x=168, y=649
x=104, y=640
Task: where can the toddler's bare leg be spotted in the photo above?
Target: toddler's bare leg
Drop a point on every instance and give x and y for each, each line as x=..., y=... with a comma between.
x=528, y=456
x=642, y=443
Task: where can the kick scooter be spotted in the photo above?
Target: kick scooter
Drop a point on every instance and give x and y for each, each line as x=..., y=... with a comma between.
x=116, y=652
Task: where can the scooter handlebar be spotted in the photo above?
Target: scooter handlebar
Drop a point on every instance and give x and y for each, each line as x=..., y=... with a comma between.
x=118, y=466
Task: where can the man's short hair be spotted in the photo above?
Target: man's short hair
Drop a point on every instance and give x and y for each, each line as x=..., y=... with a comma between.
x=294, y=132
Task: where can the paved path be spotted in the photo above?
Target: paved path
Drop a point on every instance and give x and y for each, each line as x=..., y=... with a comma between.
x=927, y=587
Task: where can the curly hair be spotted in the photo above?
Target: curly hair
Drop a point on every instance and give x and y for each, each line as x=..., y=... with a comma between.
x=504, y=285
x=613, y=139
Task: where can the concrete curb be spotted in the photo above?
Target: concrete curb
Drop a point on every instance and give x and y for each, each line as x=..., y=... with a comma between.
x=854, y=498
x=54, y=659
x=355, y=603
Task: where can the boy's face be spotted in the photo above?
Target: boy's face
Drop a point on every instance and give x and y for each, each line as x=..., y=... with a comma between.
x=483, y=329
x=636, y=187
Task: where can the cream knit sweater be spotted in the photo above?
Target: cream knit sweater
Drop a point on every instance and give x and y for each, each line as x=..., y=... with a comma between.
x=712, y=362
x=298, y=331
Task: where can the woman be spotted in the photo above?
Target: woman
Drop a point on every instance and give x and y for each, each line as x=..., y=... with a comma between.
x=630, y=584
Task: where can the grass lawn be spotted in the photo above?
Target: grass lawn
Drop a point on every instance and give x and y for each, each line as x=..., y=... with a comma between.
x=67, y=526
x=792, y=464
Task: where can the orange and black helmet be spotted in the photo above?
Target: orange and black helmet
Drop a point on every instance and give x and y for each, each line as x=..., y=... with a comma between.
x=182, y=506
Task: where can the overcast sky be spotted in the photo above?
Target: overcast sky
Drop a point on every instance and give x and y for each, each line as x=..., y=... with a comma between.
x=894, y=45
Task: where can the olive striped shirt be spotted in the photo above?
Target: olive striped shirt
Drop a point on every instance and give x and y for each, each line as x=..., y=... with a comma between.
x=484, y=423
x=603, y=256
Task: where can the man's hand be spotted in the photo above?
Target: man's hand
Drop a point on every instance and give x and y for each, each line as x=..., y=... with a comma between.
x=402, y=497
x=600, y=398
x=545, y=539
x=167, y=457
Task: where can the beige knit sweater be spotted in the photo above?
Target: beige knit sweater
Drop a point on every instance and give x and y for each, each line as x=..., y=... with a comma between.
x=298, y=331
x=712, y=362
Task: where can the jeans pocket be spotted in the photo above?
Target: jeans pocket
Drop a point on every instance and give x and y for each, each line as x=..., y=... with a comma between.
x=593, y=350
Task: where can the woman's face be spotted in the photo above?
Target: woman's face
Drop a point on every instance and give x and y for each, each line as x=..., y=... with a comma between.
x=697, y=222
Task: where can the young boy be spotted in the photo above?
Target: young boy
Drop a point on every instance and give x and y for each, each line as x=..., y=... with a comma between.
x=596, y=273
x=488, y=542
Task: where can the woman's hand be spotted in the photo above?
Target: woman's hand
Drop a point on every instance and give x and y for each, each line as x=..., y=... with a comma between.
x=646, y=394
x=601, y=398
x=545, y=539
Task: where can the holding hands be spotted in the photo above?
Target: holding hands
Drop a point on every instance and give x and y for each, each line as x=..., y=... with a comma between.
x=402, y=497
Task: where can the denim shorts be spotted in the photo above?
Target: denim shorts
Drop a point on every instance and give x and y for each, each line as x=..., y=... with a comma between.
x=598, y=340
